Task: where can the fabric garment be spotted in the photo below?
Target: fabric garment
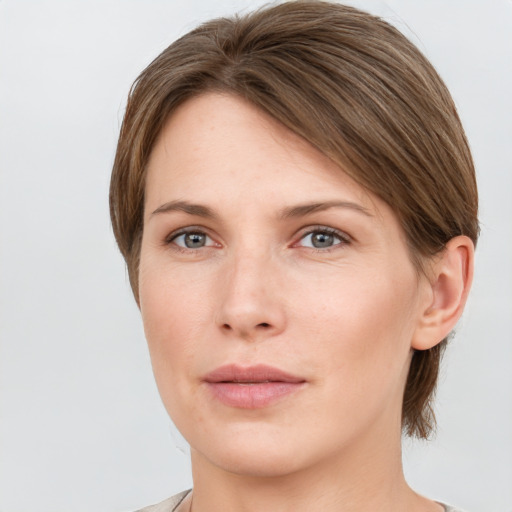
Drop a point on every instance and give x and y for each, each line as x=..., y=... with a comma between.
x=171, y=504
x=168, y=505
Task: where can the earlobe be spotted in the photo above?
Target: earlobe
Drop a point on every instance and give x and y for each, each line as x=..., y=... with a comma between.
x=450, y=282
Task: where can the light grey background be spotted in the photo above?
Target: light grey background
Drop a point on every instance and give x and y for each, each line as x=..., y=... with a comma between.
x=81, y=425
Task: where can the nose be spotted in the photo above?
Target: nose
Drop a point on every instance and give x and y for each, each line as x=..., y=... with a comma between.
x=251, y=305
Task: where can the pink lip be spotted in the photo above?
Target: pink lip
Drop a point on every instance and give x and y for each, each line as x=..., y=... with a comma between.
x=251, y=387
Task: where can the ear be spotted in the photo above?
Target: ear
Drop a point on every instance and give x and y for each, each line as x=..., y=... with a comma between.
x=448, y=287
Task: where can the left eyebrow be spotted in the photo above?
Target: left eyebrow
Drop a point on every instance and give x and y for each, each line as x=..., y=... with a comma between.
x=305, y=209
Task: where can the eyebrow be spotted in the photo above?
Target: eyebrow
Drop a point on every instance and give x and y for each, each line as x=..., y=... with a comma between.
x=198, y=210
x=300, y=210
x=305, y=209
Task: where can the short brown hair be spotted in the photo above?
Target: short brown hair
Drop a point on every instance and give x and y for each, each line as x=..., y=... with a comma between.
x=357, y=90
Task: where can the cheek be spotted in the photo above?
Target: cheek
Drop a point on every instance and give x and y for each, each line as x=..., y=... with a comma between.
x=362, y=332
x=174, y=312
x=363, y=320
x=172, y=332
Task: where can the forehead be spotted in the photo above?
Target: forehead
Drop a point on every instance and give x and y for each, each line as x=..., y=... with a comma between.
x=219, y=147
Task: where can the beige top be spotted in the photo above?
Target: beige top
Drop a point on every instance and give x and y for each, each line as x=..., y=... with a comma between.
x=168, y=505
x=171, y=504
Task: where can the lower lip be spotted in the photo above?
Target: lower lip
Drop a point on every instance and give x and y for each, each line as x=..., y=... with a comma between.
x=252, y=396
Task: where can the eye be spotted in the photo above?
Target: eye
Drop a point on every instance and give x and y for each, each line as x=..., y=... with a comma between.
x=191, y=240
x=322, y=238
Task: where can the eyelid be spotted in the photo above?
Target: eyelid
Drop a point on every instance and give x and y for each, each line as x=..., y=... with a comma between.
x=169, y=239
x=344, y=237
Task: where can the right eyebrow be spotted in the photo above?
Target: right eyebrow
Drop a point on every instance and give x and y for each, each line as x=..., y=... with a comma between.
x=198, y=210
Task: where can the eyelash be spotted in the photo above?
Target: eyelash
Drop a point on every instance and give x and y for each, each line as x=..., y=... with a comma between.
x=169, y=240
x=343, y=237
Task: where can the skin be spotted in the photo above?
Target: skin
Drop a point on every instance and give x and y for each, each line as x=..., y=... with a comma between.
x=344, y=317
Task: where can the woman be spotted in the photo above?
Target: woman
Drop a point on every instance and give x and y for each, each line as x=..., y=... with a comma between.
x=295, y=199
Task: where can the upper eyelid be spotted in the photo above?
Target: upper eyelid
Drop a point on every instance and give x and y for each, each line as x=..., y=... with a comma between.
x=171, y=239
x=319, y=228
x=299, y=234
x=187, y=229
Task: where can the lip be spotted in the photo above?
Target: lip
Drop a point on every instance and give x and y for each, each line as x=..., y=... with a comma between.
x=251, y=387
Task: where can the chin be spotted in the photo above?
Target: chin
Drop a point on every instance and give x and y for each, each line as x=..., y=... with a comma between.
x=259, y=449
x=255, y=460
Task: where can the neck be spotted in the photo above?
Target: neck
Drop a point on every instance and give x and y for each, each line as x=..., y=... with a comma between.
x=366, y=477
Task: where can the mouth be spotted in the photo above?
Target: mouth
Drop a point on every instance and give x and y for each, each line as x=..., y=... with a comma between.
x=252, y=387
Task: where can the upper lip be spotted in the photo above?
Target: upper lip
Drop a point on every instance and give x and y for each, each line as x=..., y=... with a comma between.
x=246, y=374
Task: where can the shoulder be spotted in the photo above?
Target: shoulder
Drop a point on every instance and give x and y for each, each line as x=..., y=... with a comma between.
x=167, y=505
x=170, y=504
x=448, y=508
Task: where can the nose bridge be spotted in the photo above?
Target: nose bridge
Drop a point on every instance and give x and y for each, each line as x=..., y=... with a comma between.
x=249, y=277
x=250, y=307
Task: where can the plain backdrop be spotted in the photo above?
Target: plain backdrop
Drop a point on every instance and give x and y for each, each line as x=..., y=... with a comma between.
x=81, y=424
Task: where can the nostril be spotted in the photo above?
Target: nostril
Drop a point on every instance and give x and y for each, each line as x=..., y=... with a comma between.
x=264, y=324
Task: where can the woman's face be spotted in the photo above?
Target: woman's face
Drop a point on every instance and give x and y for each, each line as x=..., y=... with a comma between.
x=278, y=296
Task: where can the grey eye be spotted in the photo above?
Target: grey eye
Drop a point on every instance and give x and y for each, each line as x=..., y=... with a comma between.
x=194, y=240
x=191, y=240
x=321, y=240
